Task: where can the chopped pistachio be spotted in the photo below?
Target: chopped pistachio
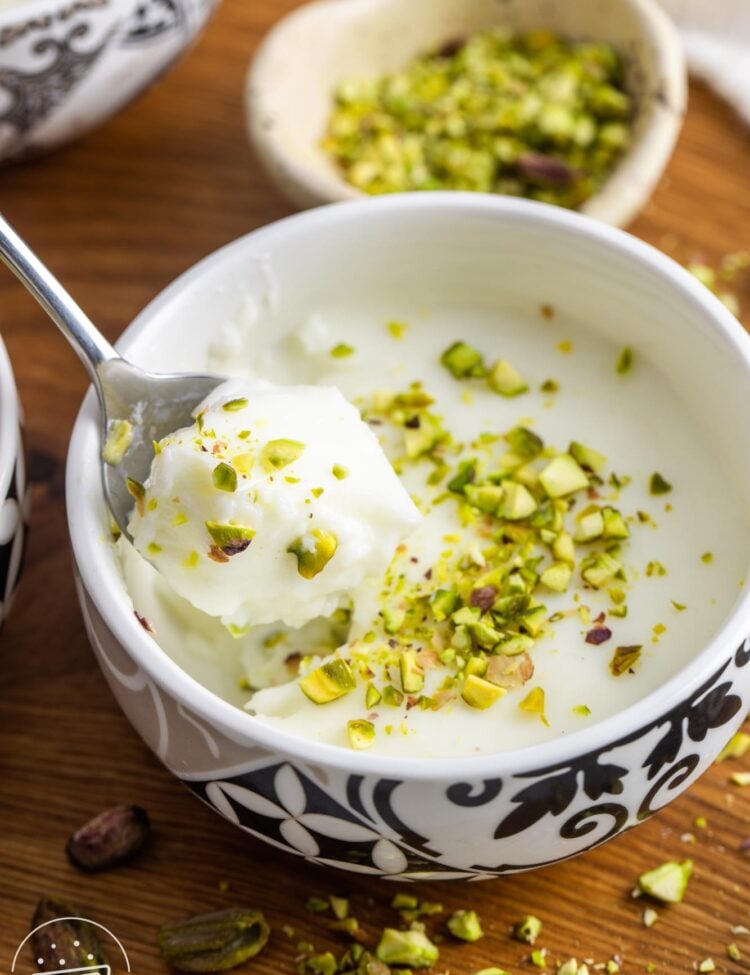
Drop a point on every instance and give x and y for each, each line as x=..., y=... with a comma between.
x=373, y=696
x=600, y=569
x=328, y=682
x=313, y=550
x=391, y=696
x=412, y=675
x=231, y=539
x=412, y=948
x=137, y=491
x=492, y=971
x=582, y=710
x=667, y=882
x=422, y=437
x=277, y=454
x=707, y=558
x=505, y=380
x=527, y=929
x=614, y=524
x=533, y=703
x=563, y=476
x=397, y=329
x=624, y=362
x=361, y=733
x=481, y=694
x=539, y=957
x=624, y=659
x=340, y=472
x=117, y=444
x=225, y=478
x=706, y=966
x=557, y=576
x=589, y=524
x=550, y=386
x=339, y=906
x=737, y=747
x=680, y=607
x=317, y=905
x=342, y=350
x=322, y=964
x=734, y=952
x=517, y=503
x=465, y=926
x=443, y=602
x=234, y=405
x=657, y=485
x=463, y=361
x=587, y=457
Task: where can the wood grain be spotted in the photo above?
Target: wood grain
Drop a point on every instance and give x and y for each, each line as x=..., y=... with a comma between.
x=118, y=215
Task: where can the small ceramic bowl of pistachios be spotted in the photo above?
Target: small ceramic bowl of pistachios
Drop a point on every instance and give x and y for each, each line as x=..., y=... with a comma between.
x=571, y=102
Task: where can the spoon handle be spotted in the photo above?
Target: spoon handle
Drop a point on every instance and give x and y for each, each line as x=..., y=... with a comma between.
x=91, y=346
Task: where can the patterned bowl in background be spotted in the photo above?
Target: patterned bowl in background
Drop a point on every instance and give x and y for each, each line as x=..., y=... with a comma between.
x=478, y=815
x=68, y=65
x=13, y=498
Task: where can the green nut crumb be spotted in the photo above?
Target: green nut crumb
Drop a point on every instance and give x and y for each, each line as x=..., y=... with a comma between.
x=624, y=659
x=707, y=558
x=706, y=966
x=667, y=882
x=117, y=444
x=342, y=351
x=313, y=551
x=277, y=454
x=734, y=952
x=527, y=929
x=340, y=472
x=317, y=905
x=328, y=682
x=361, y=733
x=463, y=361
x=538, y=957
x=412, y=948
x=224, y=478
x=624, y=362
x=235, y=405
x=397, y=329
x=658, y=485
x=737, y=747
x=465, y=925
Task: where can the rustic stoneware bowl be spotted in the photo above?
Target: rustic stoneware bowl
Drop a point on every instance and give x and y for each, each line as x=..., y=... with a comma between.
x=13, y=500
x=68, y=65
x=291, y=81
x=479, y=815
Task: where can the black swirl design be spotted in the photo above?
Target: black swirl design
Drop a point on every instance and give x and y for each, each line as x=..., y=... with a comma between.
x=582, y=797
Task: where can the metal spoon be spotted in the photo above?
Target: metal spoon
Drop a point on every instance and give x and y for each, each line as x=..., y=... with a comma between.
x=156, y=404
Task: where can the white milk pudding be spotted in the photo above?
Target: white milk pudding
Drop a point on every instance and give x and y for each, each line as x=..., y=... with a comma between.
x=274, y=505
x=579, y=540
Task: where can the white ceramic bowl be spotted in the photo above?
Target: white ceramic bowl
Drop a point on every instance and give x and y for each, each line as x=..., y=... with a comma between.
x=13, y=498
x=291, y=81
x=66, y=67
x=459, y=817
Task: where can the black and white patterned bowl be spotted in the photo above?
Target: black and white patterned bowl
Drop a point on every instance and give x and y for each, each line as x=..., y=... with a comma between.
x=68, y=65
x=481, y=815
x=13, y=495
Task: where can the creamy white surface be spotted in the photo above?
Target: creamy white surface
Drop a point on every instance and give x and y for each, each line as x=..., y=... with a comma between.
x=637, y=421
x=365, y=508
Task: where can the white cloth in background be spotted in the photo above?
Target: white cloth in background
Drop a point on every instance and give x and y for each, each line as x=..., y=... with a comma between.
x=716, y=34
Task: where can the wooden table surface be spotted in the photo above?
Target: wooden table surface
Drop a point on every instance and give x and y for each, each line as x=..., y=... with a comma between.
x=118, y=215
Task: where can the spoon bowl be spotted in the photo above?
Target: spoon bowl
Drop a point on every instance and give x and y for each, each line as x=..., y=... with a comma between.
x=152, y=404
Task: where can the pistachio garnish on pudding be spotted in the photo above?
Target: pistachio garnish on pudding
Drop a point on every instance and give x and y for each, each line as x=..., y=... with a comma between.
x=528, y=581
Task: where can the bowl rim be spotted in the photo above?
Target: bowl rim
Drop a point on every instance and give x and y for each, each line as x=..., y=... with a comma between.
x=618, y=201
x=98, y=574
x=9, y=421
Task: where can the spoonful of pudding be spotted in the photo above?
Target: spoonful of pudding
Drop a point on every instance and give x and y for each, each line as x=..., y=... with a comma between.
x=258, y=503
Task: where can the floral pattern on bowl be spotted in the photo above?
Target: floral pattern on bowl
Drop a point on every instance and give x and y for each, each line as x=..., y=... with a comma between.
x=68, y=65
